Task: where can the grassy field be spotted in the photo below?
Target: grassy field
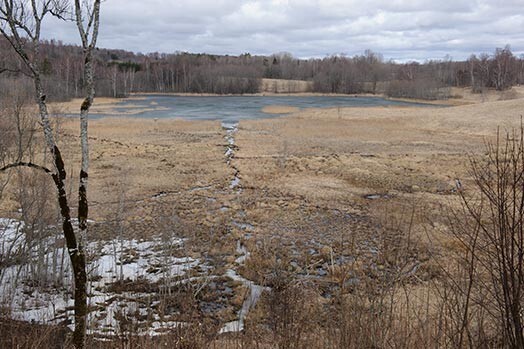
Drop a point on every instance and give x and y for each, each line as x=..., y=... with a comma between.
x=319, y=157
x=322, y=194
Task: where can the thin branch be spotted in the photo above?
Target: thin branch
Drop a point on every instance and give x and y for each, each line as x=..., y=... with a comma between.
x=26, y=164
x=14, y=71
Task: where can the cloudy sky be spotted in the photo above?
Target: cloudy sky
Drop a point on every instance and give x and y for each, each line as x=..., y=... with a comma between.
x=399, y=29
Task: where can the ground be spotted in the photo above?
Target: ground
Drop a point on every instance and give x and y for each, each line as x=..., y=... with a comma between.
x=305, y=177
x=305, y=183
x=320, y=157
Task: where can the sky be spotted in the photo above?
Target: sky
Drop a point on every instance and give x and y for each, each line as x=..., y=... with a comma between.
x=401, y=30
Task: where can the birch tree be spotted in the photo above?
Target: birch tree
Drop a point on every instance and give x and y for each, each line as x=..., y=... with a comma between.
x=20, y=25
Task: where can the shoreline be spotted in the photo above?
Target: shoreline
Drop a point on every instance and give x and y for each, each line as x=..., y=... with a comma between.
x=299, y=94
x=107, y=105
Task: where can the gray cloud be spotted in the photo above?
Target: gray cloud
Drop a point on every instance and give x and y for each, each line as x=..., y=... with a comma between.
x=399, y=29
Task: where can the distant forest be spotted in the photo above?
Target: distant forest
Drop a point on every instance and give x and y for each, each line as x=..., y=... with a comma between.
x=120, y=73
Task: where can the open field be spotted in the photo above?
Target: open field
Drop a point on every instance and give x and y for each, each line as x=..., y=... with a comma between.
x=337, y=155
x=297, y=190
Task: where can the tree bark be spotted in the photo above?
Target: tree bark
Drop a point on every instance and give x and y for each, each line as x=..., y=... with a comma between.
x=13, y=14
x=88, y=43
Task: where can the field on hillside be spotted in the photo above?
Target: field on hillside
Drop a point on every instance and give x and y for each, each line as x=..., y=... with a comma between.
x=202, y=222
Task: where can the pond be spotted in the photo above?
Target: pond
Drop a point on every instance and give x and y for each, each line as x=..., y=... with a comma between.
x=235, y=108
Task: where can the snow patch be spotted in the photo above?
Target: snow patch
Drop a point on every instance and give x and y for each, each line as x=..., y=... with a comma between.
x=150, y=265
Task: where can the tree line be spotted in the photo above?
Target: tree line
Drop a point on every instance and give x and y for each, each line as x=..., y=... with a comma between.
x=121, y=72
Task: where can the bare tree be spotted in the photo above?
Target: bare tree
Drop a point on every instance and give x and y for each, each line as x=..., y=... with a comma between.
x=503, y=64
x=490, y=228
x=20, y=24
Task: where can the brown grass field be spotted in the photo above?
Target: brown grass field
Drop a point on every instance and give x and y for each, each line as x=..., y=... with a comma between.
x=318, y=157
x=312, y=181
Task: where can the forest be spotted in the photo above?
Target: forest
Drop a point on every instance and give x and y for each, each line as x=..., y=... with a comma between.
x=120, y=73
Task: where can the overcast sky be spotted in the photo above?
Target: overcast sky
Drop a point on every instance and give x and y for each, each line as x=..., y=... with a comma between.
x=399, y=29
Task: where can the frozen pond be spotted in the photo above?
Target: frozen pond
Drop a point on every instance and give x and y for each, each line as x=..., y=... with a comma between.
x=235, y=108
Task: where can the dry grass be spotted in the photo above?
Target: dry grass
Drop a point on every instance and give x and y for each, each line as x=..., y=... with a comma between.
x=141, y=158
x=334, y=157
x=22, y=335
x=307, y=180
x=285, y=86
x=280, y=109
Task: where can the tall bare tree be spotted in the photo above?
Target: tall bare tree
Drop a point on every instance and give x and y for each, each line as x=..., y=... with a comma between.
x=20, y=24
x=503, y=68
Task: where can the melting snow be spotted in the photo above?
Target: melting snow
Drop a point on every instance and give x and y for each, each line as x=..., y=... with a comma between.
x=149, y=261
x=250, y=301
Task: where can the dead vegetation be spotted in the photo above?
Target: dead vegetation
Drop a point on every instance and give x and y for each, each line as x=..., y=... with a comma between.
x=352, y=219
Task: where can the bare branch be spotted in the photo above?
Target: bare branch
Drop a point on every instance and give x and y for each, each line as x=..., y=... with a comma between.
x=9, y=70
x=88, y=31
x=26, y=164
x=60, y=10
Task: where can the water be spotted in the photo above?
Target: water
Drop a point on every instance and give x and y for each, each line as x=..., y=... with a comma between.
x=231, y=109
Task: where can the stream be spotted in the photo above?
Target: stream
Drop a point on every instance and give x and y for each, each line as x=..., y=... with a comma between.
x=254, y=290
